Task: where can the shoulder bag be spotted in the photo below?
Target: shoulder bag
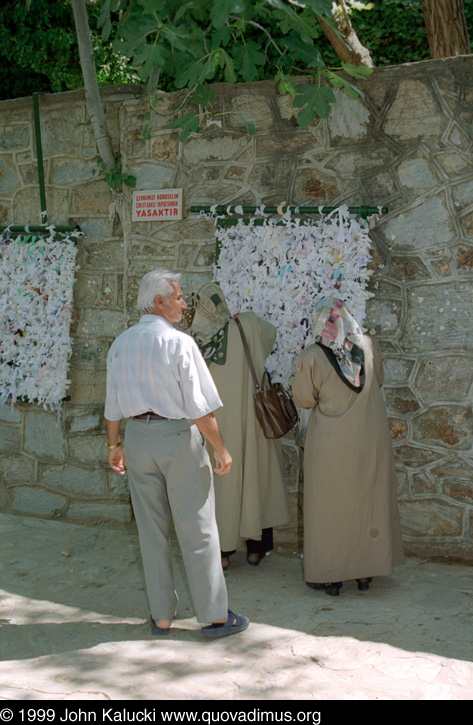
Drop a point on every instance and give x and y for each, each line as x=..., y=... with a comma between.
x=275, y=408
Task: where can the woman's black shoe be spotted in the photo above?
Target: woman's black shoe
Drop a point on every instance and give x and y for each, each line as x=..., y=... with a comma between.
x=316, y=585
x=364, y=584
x=256, y=562
x=333, y=589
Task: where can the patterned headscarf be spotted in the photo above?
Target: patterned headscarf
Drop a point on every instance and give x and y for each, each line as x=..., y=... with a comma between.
x=210, y=324
x=337, y=330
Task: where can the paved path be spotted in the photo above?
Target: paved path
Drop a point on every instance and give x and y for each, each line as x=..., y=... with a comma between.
x=74, y=627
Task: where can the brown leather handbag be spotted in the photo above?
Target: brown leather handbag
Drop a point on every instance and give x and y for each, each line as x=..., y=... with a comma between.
x=275, y=408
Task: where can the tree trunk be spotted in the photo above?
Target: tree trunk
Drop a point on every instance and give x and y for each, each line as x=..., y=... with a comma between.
x=349, y=47
x=91, y=86
x=446, y=28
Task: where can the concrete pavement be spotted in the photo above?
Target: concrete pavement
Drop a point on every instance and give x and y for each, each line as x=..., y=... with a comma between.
x=74, y=627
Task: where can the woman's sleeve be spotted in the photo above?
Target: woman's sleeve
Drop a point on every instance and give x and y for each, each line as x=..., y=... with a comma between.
x=305, y=388
x=267, y=333
x=377, y=362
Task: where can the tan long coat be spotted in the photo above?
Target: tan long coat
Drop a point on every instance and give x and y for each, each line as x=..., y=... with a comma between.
x=351, y=521
x=253, y=495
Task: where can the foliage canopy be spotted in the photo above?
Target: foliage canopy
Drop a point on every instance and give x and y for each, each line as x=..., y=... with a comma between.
x=179, y=44
x=189, y=44
x=245, y=39
x=38, y=49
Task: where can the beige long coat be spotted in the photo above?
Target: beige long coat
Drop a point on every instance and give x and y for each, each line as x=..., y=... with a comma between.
x=351, y=522
x=253, y=495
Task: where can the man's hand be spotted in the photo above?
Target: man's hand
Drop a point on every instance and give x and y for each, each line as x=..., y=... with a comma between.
x=209, y=429
x=223, y=461
x=117, y=459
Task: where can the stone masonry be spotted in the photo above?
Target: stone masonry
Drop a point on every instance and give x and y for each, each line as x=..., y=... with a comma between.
x=407, y=145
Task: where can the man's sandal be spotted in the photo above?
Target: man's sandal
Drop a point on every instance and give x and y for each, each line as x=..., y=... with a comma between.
x=235, y=623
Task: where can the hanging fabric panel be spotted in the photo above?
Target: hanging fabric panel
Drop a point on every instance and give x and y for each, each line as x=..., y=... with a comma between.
x=280, y=271
x=36, y=282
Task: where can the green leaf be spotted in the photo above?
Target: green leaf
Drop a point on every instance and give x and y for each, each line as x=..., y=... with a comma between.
x=334, y=80
x=181, y=38
x=189, y=123
x=203, y=96
x=279, y=5
x=304, y=95
x=285, y=84
x=323, y=99
x=130, y=181
x=323, y=8
x=193, y=8
x=188, y=76
x=155, y=58
x=313, y=100
x=223, y=60
x=306, y=117
x=348, y=88
x=222, y=9
x=247, y=56
x=107, y=29
x=251, y=128
x=357, y=71
x=230, y=75
x=150, y=7
x=221, y=37
x=197, y=72
x=151, y=56
x=129, y=43
x=104, y=20
x=302, y=50
x=352, y=91
x=304, y=24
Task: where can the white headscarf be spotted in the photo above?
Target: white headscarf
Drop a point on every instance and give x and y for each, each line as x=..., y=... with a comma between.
x=337, y=330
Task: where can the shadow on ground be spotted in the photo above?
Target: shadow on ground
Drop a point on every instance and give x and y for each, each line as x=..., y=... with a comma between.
x=74, y=625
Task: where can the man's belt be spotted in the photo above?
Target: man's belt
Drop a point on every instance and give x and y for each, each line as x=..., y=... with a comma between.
x=149, y=416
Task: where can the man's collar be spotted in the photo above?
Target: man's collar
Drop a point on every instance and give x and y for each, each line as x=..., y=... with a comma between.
x=154, y=319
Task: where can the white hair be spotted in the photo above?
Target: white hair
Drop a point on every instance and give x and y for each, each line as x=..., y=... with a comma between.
x=157, y=282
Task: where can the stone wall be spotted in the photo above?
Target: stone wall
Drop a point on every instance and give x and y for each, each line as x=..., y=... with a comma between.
x=407, y=145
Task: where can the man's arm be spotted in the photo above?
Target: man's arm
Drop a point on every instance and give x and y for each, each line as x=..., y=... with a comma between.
x=209, y=429
x=116, y=457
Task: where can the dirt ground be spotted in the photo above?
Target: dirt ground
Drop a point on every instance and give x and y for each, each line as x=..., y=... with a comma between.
x=74, y=626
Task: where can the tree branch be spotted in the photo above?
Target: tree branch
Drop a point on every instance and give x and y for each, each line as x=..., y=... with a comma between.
x=91, y=87
x=348, y=47
x=263, y=30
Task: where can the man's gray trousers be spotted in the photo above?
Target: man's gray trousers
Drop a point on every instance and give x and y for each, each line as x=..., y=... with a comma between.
x=171, y=477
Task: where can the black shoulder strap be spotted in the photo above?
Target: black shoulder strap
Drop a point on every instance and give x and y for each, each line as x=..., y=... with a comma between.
x=332, y=358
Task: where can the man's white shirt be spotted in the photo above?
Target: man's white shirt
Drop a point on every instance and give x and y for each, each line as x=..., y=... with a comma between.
x=154, y=368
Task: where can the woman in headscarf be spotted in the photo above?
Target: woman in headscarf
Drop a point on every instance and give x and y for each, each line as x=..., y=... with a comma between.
x=351, y=522
x=252, y=498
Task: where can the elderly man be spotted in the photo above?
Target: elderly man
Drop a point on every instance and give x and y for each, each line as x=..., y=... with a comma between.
x=157, y=378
